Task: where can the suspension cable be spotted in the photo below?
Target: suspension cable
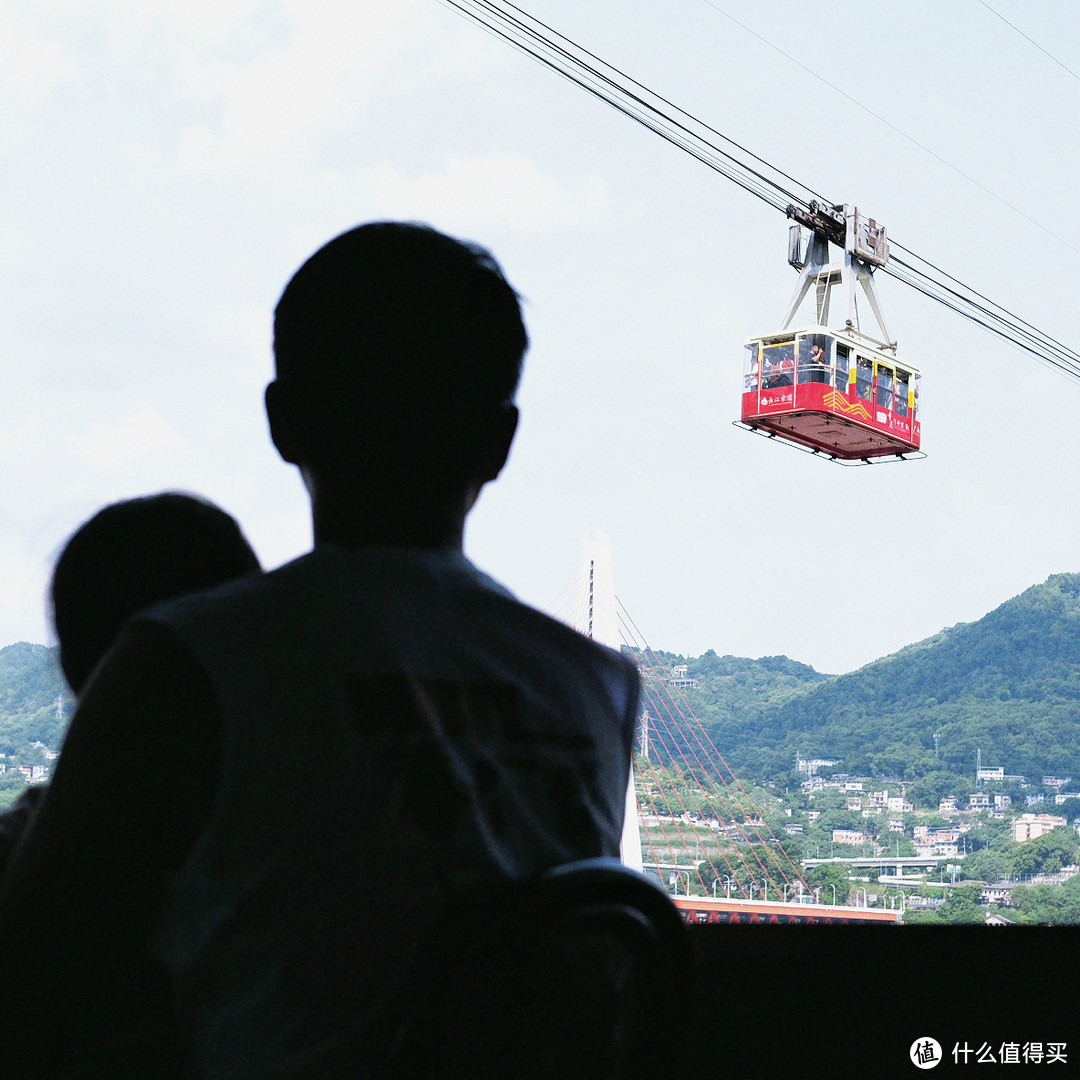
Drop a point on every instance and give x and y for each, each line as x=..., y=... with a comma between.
x=754, y=174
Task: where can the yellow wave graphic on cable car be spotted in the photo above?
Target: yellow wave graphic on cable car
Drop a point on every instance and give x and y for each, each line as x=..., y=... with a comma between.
x=855, y=409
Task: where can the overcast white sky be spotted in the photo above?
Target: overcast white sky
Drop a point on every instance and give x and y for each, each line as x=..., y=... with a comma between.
x=168, y=164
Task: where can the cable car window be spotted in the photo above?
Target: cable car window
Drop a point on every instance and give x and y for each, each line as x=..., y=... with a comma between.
x=778, y=367
x=750, y=372
x=813, y=359
x=864, y=371
x=842, y=355
x=884, y=387
x=900, y=407
x=915, y=398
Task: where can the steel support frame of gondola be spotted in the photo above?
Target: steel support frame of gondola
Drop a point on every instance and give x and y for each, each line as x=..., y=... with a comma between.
x=868, y=411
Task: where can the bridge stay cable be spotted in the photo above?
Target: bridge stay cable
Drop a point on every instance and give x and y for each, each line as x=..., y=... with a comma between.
x=650, y=778
x=712, y=766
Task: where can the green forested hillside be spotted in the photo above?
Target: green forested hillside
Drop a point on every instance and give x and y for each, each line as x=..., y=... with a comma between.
x=1008, y=685
x=30, y=687
x=733, y=696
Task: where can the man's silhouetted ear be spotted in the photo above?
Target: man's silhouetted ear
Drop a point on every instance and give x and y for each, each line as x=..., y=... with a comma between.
x=280, y=412
x=498, y=448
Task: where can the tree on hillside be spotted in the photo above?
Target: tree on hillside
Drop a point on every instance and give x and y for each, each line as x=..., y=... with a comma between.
x=990, y=834
x=1049, y=905
x=1046, y=854
x=930, y=789
x=986, y=865
x=826, y=877
x=962, y=905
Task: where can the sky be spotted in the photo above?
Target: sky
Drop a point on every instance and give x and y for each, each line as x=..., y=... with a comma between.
x=168, y=164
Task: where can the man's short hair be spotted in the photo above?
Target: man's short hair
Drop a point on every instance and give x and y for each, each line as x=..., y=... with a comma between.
x=394, y=332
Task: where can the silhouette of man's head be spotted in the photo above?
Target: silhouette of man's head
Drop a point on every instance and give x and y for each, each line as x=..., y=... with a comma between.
x=130, y=555
x=398, y=353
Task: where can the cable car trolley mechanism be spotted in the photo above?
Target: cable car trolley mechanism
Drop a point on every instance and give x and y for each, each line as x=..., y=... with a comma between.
x=836, y=392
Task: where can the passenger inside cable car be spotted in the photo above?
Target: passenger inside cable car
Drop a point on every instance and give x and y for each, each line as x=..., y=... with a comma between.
x=813, y=363
x=836, y=392
x=779, y=364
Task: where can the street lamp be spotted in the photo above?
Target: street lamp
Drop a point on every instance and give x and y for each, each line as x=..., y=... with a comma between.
x=728, y=882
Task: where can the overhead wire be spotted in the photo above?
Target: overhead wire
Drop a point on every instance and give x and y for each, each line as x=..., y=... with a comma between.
x=1030, y=40
x=625, y=94
x=899, y=131
x=736, y=162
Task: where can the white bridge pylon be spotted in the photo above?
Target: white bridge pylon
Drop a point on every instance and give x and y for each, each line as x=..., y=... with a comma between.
x=596, y=617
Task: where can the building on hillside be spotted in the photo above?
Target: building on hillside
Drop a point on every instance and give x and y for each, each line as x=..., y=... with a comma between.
x=925, y=851
x=878, y=799
x=948, y=805
x=994, y=918
x=899, y=805
x=925, y=834
x=1055, y=781
x=853, y=785
x=1034, y=800
x=849, y=836
x=1000, y=894
x=1001, y=802
x=680, y=678
x=1032, y=826
x=812, y=765
x=978, y=801
x=1061, y=796
x=854, y=803
x=896, y=825
x=993, y=775
x=50, y=755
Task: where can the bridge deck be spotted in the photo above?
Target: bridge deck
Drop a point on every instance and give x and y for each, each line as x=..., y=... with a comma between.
x=701, y=909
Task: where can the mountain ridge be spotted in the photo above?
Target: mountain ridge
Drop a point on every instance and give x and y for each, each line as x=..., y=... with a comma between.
x=1007, y=684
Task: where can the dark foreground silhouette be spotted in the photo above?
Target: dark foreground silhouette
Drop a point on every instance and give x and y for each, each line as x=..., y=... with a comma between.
x=270, y=793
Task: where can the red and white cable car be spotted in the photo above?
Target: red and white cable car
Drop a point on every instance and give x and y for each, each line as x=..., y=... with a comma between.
x=836, y=392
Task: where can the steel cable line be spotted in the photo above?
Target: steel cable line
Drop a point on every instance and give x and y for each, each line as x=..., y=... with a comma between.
x=978, y=308
x=1029, y=39
x=899, y=131
x=626, y=95
x=768, y=183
